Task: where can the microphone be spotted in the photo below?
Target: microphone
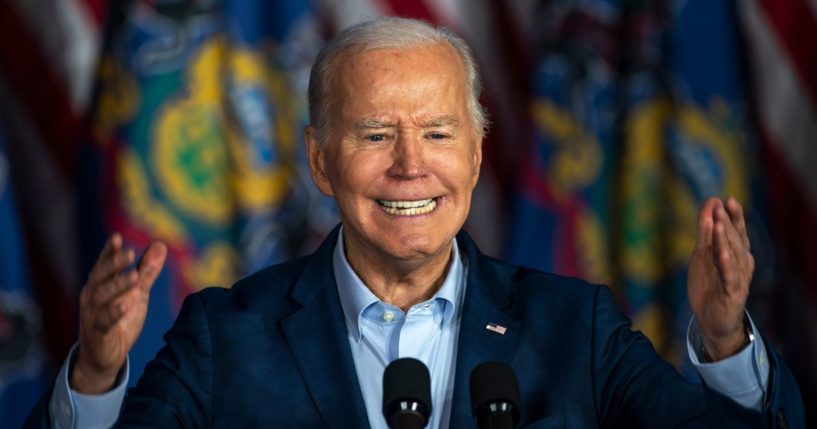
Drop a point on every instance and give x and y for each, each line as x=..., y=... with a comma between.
x=495, y=396
x=406, y=394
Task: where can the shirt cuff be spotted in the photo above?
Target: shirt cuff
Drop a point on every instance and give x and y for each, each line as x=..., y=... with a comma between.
x=743, y=377
x=71, y=409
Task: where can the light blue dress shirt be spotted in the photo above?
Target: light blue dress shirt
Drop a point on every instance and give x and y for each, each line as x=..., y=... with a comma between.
x=743, y=377
x=380, y=333
x=71, y=409
x=427, y=332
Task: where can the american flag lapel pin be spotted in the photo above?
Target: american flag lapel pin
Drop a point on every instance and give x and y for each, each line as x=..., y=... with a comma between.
x=499, y=329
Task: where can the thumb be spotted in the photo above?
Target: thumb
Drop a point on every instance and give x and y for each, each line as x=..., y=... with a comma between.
x=151, y=264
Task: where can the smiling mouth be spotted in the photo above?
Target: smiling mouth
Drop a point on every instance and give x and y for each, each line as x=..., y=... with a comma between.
x=408, y=208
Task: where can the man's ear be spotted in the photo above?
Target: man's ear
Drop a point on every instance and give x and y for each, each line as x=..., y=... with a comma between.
x=317, y=161
x=477, y=160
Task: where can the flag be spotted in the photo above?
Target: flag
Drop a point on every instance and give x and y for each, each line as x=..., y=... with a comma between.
x=632, y=135
x=640, y=241
x=22, y=357
x=561, y=211
x=198, y=124
x=782, y=57
x=709, y=150
x=48, y=53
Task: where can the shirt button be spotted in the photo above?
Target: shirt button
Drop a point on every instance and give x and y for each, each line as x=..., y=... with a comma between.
x=762, y=359
x=388, y=316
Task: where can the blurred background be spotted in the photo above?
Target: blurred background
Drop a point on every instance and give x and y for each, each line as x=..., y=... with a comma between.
x=612, y=121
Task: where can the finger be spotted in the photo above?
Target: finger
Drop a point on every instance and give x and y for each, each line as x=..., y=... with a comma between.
x=734, y=240
x=733, y=268
x=114, y=287
x=151, y=264
x=706, y=223
x=722, y=254
x=735, y=211
x=115, y=262
x=113, y=244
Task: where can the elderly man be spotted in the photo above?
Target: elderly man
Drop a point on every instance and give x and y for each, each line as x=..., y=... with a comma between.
x=396, y=139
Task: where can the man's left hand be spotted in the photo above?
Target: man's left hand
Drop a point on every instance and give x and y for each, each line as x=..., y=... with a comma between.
x=720, y=271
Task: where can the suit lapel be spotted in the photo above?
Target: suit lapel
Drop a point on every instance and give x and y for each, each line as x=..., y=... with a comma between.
x=487, y=301
x=317, y=336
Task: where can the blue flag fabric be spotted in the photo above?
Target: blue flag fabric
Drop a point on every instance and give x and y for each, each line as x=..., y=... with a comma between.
x=708, y=148
x=21, y=353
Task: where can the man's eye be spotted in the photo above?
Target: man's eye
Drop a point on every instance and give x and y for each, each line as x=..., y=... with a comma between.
x=376, y=138
x=437, y=136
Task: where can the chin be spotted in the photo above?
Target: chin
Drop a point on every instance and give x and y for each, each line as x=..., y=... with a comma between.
x=414, y=246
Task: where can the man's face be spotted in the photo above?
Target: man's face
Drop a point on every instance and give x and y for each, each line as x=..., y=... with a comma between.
x=401, y=156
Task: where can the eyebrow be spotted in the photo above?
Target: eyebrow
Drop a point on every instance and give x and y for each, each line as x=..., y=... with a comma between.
x=442, y=121
x=371, y=123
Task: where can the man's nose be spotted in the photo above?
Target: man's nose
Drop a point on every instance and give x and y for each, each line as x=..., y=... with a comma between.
x=408, y=159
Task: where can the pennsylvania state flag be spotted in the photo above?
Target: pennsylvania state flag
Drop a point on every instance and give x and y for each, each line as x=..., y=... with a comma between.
x=683, y=141
x=639, y=117
x=561, y=211
x=198, y=123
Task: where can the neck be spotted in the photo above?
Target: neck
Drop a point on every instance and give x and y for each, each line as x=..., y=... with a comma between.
x=397, y=282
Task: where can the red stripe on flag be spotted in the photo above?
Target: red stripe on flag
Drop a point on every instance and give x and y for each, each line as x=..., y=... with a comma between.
x=412, y=9
x=38, y=87
x=793, y=216
x=97, y=9
x=58, y=306
x=515, y=62
x=794, y=23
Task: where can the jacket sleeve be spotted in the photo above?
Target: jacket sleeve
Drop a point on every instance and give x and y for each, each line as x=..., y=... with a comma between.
x=783, y=407
x=176, y=387
x=634, y=387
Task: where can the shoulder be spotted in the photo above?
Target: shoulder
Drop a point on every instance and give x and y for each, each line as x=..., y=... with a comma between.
x=524, y=286
x=262, y=292
x=529, y=283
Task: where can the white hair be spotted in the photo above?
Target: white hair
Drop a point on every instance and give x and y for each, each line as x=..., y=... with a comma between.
x=387, y=33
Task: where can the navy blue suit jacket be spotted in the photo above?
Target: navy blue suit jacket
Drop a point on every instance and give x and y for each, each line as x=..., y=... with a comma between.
x=273, y=352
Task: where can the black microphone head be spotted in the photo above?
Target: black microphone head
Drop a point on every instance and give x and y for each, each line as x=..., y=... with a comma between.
x=493, y=383
x=406, y=380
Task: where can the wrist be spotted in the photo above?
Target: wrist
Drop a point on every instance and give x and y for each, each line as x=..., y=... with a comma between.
x=722, y=347
x=86, y=379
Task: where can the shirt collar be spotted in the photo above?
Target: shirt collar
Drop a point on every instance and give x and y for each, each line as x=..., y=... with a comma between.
x=356, y=297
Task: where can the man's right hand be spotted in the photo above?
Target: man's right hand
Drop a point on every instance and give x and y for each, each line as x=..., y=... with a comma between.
x=112, y=306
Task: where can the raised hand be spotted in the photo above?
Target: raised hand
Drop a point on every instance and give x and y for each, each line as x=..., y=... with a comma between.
x=720, y=271
x=112, y=305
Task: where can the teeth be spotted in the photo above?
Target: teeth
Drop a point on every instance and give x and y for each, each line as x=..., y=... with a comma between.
x=405, y=204
x=408, y=208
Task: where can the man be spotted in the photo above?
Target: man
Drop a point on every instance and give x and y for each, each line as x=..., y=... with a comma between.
x=396, y=139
